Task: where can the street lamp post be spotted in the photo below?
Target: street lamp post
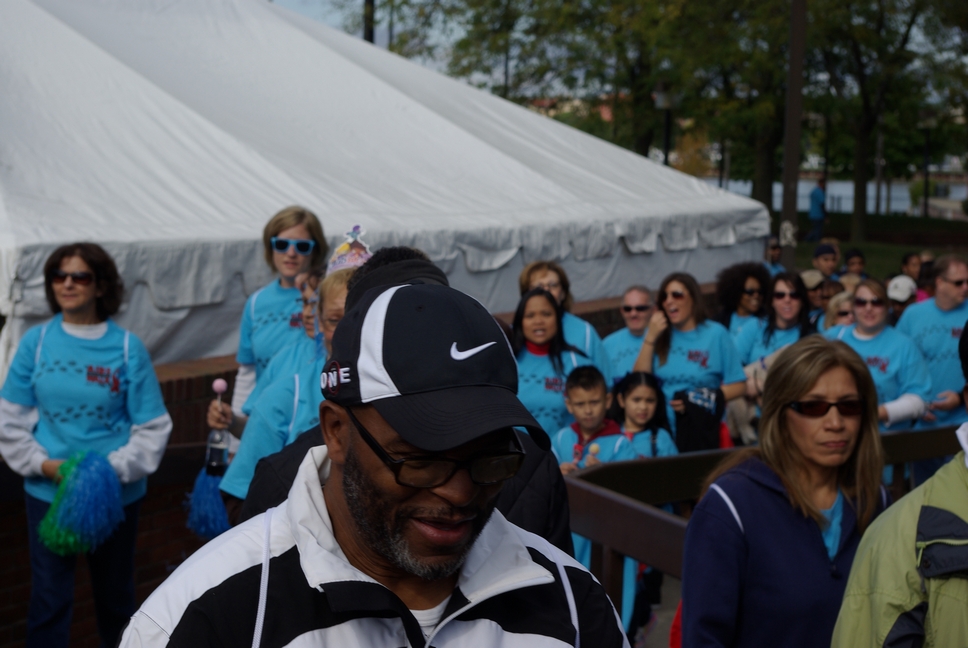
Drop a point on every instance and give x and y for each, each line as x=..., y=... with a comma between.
x=663, y=101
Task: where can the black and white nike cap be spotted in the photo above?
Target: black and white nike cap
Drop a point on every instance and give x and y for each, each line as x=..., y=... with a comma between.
x=432, y=361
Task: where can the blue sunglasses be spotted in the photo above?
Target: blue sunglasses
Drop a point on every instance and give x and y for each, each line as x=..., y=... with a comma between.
x=303, y=246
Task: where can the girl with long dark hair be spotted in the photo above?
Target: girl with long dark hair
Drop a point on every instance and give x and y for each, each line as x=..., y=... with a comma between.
x=787, y=320
x=638, y=406
x=544, y=358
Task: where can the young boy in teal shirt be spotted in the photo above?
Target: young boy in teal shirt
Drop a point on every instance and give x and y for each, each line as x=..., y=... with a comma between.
x=592, y=439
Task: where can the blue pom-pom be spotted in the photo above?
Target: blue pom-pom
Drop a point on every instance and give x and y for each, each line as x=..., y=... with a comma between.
x=206, y=510
x=91, y=506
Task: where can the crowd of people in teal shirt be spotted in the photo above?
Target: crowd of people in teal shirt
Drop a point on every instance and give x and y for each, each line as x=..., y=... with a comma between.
x=633, y=394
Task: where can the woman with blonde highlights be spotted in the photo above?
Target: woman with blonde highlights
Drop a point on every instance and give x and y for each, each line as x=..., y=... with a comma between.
x=771, y=542
x=899, y=371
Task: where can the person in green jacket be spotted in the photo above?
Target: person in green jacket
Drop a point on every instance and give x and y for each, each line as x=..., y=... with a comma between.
x=909, y=582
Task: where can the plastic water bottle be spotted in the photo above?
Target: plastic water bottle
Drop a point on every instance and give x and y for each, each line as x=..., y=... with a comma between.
x=217, y=448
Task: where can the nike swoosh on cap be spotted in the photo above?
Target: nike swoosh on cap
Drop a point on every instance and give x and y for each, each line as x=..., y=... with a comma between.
x=464, y=355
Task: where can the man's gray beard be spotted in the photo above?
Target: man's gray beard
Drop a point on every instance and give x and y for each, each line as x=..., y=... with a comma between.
x=384, y=534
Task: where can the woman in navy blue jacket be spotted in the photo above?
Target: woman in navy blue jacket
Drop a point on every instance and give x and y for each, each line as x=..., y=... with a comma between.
x=770, y=545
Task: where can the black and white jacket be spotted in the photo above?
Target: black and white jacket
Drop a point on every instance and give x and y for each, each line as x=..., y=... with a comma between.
x=515, y=590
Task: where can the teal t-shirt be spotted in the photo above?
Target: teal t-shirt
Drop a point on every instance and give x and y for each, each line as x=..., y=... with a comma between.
x=272, y=319
x=894, y=363
x=286, y=408
x=831, y=533
x=752, y=345
x=583, y=336
x=88, y=394
x=702, y=357
x=737, y=322
x=774, y=268
x=642, y=443
x=936, y=334
x=622, y=348
x=542, y=391
x=613, y=447
x=286, y=362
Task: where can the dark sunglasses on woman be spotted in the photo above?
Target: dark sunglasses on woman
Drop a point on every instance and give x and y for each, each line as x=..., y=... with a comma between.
x=779, y=294
x=752, y=291
x=304, y=247
x=877, y=302
x=818, y=408
x=80, y=278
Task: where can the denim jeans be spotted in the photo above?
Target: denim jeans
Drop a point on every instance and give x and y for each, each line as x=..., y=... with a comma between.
x=52, y=582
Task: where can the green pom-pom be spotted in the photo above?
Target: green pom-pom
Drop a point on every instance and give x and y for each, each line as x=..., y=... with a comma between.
x=87, y=507
x=62, y=542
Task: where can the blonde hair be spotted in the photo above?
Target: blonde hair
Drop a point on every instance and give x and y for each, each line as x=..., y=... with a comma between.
x=793, y=374
x=838, y=300
x=850, y=281
x=333, y=281
x=291, y=217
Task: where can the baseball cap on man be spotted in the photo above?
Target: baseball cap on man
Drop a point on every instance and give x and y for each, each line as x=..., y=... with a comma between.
x=432, y=361
x=901, y=288
x=822, y=249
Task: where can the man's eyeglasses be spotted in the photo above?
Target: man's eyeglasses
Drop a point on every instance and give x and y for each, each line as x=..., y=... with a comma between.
x=638, y=308
x=304, y=247
x=956, y=282
x=430, y=472
x=752, y=291
x=80, y=278
x=877, y=302
x=816, y=409
x=779, y=294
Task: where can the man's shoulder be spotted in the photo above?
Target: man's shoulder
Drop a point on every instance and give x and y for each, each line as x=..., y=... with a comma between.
x=213, y=570
x=620, y=336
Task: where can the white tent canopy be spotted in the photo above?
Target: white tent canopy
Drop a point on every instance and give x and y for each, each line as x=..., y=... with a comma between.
x=170, y=131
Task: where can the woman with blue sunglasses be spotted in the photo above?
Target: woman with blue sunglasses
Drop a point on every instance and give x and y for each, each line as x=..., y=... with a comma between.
x=294, y=243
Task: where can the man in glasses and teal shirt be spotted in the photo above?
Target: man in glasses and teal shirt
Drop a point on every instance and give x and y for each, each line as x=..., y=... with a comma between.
x=935, y=326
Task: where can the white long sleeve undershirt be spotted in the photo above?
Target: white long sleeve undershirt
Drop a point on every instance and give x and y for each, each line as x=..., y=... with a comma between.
x=244, y=384
x=905, y=407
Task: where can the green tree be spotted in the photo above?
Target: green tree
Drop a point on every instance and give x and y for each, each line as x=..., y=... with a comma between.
x=866, y=51
x=731, y=58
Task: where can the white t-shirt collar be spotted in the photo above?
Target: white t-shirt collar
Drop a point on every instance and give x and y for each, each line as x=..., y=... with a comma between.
x=86, y=331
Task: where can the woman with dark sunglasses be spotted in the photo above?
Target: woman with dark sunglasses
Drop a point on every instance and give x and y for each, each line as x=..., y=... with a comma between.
x=686, y=350
x=740, y=289
x=900, y=373
x=787, y=320
x=78, y=383
x=770, y=545
x=293, y=242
